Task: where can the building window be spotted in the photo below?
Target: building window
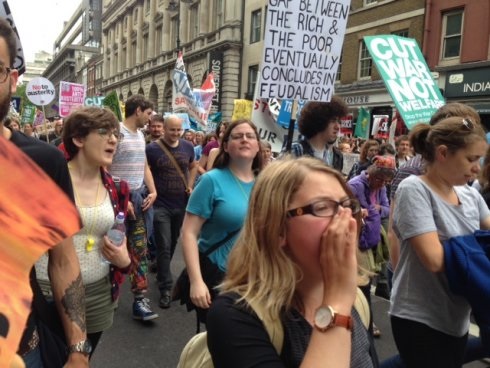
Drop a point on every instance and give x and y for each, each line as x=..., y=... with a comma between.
x=148, y=4
x=133, y=54
x=145, y=47
x=401, y=33
x=255, y=26
x=339, y=70
x=452, y=26
x=135, y=16
x=219, y=11
x=365, y=62
x=159, y=41
x=123, y=59
x=369, y=2
x=174, y=31
x=194, y=21
x=253, y=72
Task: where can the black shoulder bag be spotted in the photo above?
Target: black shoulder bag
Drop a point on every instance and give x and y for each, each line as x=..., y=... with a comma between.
x=211, y=275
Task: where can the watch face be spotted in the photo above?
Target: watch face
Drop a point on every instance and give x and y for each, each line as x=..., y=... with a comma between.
x=323, y=317
x=87, y=347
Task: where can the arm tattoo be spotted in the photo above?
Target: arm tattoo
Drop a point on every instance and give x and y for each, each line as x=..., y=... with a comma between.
x=74, y=302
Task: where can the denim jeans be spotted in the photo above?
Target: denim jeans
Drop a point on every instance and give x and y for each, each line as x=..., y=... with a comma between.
x=33, y=359
x=166, y=228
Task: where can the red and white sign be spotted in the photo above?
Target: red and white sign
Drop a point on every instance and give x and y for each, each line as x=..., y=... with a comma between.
x=72, y=96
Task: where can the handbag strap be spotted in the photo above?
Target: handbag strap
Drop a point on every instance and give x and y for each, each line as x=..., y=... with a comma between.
x=173, y=161
x=220, y=243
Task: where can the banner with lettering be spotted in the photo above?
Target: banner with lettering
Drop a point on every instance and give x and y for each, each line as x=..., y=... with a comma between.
x=183, y=99
x=204, y=95
x=28, y=113
x=72, y=96
x=269, y=130
x=406, y=76
x=346, y=125
x=303, y=44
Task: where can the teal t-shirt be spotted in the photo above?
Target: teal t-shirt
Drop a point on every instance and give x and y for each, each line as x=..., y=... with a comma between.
x=222, y=199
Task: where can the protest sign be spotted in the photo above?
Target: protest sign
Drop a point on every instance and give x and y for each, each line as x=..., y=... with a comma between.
x=267, y=127
x=72, y=96
x=94, y=101
x=406, y=76
x=40, y=91
x=346, y=125
x=380, y=127
x=303, y=44
x=28, y=113
x=242, y=109
x=183, y=98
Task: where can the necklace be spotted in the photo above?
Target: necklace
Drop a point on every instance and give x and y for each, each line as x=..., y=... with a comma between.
x=89, y=244
x=245, y=194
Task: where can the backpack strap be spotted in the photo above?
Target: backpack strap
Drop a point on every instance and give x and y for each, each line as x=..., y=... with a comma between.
x=273, y=326
x=362, y=307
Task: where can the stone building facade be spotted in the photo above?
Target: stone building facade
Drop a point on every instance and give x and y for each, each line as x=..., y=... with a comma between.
x=141, y=38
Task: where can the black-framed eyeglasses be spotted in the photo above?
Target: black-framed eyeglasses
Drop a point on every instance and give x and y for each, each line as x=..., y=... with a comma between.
x=4, y=73
x=107, y=133
x=325, y=208
x=240, y=136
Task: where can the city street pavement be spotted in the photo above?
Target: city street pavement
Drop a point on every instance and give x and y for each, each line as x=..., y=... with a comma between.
x=133, y=344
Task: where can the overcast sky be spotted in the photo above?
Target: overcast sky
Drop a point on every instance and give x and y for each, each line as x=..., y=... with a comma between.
x=39, y=22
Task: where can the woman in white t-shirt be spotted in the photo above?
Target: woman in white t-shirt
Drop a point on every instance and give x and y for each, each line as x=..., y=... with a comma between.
x=430, y=323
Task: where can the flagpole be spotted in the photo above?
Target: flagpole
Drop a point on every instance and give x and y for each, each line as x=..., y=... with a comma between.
x=45, y=125
x=292, y=122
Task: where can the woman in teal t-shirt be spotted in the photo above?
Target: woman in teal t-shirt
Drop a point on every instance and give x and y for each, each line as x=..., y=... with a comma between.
x=216, y=211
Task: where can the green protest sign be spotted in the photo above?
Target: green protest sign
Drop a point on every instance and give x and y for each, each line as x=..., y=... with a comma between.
x=406, y=76
x=28, y=114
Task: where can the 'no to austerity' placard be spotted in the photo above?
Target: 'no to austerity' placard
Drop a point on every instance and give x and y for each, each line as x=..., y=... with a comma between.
x=303, y=44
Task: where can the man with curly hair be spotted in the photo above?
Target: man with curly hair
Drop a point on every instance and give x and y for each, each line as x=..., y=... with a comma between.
x=319, y=125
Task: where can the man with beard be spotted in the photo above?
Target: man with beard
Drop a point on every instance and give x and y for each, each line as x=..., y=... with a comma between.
x=319, y=125
x=130, y=164
x=63, y=267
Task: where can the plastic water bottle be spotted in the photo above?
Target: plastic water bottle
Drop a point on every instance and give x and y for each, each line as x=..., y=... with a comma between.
x=117, y=232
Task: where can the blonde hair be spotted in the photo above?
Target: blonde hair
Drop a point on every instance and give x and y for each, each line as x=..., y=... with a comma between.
x=259, y=269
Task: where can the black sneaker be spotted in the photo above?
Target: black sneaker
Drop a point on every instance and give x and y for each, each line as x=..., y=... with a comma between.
x=165, y=299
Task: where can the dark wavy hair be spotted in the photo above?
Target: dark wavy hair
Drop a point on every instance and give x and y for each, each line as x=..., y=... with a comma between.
x=135, y=101
x=82, y=121
x=315, y=116
x=223, y=158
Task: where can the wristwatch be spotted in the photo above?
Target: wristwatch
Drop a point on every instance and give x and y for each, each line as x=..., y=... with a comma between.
x=84, y=347
x=326, y=317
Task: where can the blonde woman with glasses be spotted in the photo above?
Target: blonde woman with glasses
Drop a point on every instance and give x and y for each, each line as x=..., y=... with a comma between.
x=296, y=258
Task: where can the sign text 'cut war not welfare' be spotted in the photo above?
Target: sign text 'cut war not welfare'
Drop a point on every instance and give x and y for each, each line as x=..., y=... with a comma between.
x=406, y=76
x=303, y=44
